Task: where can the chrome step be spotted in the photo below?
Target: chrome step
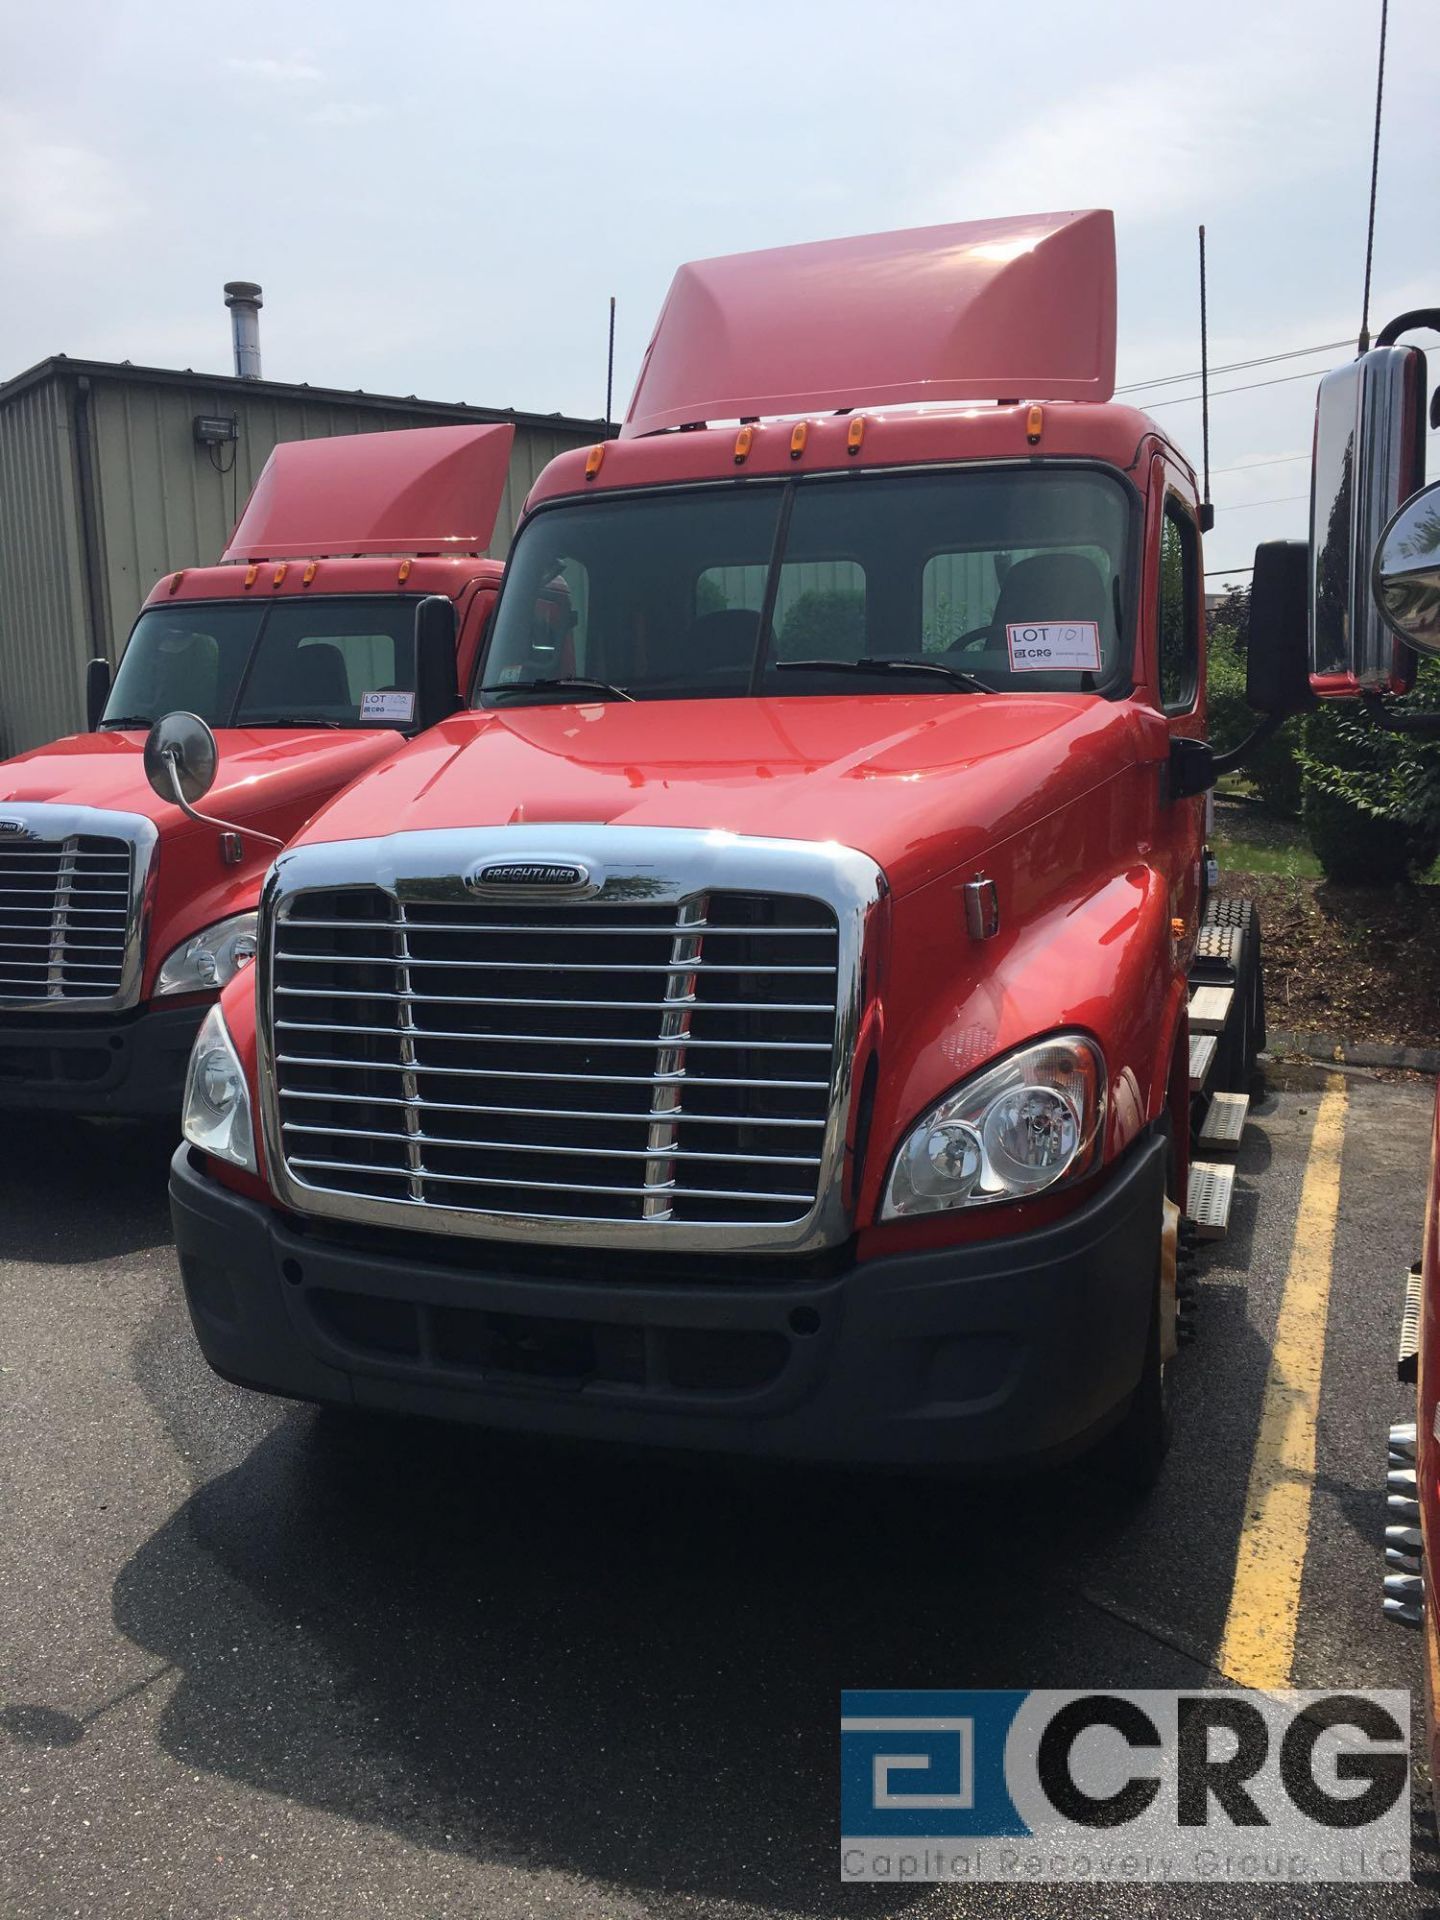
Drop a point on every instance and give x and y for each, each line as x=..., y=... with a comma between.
x=1407, y=1360
x=1210, y=1009
x=1401, y=1444
x=1203, y=1048
x=1224, y=1122
x=1209, y=1197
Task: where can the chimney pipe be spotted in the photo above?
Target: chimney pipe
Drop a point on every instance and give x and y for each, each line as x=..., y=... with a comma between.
x=243, y=299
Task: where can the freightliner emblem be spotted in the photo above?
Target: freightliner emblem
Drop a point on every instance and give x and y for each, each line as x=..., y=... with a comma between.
x=568, y=876
x=16, y=830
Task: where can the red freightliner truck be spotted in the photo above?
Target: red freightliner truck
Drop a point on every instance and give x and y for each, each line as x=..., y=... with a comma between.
x=760, y=1021
x=121, y=916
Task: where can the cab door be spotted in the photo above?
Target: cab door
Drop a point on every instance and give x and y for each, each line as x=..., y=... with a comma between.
x=1177, y=667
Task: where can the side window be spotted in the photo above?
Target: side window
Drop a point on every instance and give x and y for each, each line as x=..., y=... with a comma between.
x=1177, y=629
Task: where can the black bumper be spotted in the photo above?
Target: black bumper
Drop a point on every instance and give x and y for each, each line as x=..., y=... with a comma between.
x=128, y=1064
x=1003, y=1352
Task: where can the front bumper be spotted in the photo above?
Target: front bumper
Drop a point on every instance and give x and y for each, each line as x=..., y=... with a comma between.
x=124, y=1064
x=997, y=1353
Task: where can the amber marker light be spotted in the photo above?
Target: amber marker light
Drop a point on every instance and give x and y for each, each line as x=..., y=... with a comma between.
x=593, y=459
x=175, y=582
x=404, y=574
x=250, y=574
x=744, y=440
x=309, y=574
x=855, y=434
x=1034, y=423
x=798, y=436
x=280, y=573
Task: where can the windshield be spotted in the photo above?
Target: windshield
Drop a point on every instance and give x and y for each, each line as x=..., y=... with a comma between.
x=995, y=579
x=296, y=663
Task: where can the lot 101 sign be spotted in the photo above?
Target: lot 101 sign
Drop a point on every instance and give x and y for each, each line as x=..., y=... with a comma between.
x=1054, y=646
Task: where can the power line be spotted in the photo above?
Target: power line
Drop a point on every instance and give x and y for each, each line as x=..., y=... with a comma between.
x=1280, y=500
x=1212, y=573
x=1236, y=366
x=1250, y=386
x=1280, y=460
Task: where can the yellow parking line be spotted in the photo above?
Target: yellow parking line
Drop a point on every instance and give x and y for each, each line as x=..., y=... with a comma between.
x=1259, y=1640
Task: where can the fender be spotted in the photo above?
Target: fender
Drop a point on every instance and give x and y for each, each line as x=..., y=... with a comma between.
x=1096, y=955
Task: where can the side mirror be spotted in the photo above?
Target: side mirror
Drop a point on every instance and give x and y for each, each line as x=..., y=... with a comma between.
x=1406, y=576
x=1369, y=458
x=181, y=758
x=1192, y=768
x=437, y=683
x=97, y=691
x=1277, y=655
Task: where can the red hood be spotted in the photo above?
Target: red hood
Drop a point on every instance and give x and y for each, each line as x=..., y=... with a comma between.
x=261, y=773
x=919, y=783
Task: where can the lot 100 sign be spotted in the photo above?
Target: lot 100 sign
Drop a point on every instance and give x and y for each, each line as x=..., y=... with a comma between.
x=1047, y=1785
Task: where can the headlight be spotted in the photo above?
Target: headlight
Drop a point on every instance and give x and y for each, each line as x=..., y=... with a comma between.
x=1016, y=1129
x=211, y=959
x=216, y=1113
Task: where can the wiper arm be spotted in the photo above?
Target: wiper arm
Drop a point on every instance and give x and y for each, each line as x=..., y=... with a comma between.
x=295, y=720
x=125, y=722
x=887, y=663
x=572, y=680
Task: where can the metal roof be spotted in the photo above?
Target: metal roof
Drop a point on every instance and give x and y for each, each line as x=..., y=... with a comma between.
x=123, y=370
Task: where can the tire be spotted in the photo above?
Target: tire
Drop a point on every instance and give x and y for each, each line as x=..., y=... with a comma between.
x=1132, y=1454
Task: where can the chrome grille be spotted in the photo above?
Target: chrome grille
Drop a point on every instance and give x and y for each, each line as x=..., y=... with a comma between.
x=609, y=1060
x=66, y=908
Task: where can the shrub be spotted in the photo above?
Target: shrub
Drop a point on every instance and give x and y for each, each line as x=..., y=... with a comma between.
x=1372, y=798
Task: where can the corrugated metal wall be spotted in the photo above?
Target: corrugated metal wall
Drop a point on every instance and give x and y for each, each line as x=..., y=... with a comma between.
x=43, y=639
x=161, y=502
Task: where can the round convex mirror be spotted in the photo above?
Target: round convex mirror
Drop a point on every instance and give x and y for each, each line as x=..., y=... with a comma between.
x=181, y=748
x=1406, y=576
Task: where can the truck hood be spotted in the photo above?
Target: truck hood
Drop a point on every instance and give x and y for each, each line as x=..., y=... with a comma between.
x=262, y=774
x=921, y=783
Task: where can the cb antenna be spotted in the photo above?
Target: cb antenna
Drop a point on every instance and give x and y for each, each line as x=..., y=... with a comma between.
x=610, y=366
x=1207, y=511
x=1364, y=343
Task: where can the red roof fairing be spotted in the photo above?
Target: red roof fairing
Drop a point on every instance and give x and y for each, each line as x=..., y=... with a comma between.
x=1022, y=308
x=418, y=490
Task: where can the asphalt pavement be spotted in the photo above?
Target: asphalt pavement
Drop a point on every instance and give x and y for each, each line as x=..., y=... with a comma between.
x=259, y=1662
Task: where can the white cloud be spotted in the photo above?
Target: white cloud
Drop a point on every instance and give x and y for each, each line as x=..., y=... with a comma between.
x=292, y=71
x=346, y=113
x=58, y=190
x=1175, y=139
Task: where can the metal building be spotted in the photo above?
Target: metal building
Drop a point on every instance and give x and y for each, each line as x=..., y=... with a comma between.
x=113, y=475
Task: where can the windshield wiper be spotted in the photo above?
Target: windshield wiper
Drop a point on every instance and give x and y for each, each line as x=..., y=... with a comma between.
x=888, y=663
x=295, y=720
x=124, y=722
x=575, y=680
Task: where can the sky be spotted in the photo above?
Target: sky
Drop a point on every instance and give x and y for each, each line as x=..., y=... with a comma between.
x=440, y=198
